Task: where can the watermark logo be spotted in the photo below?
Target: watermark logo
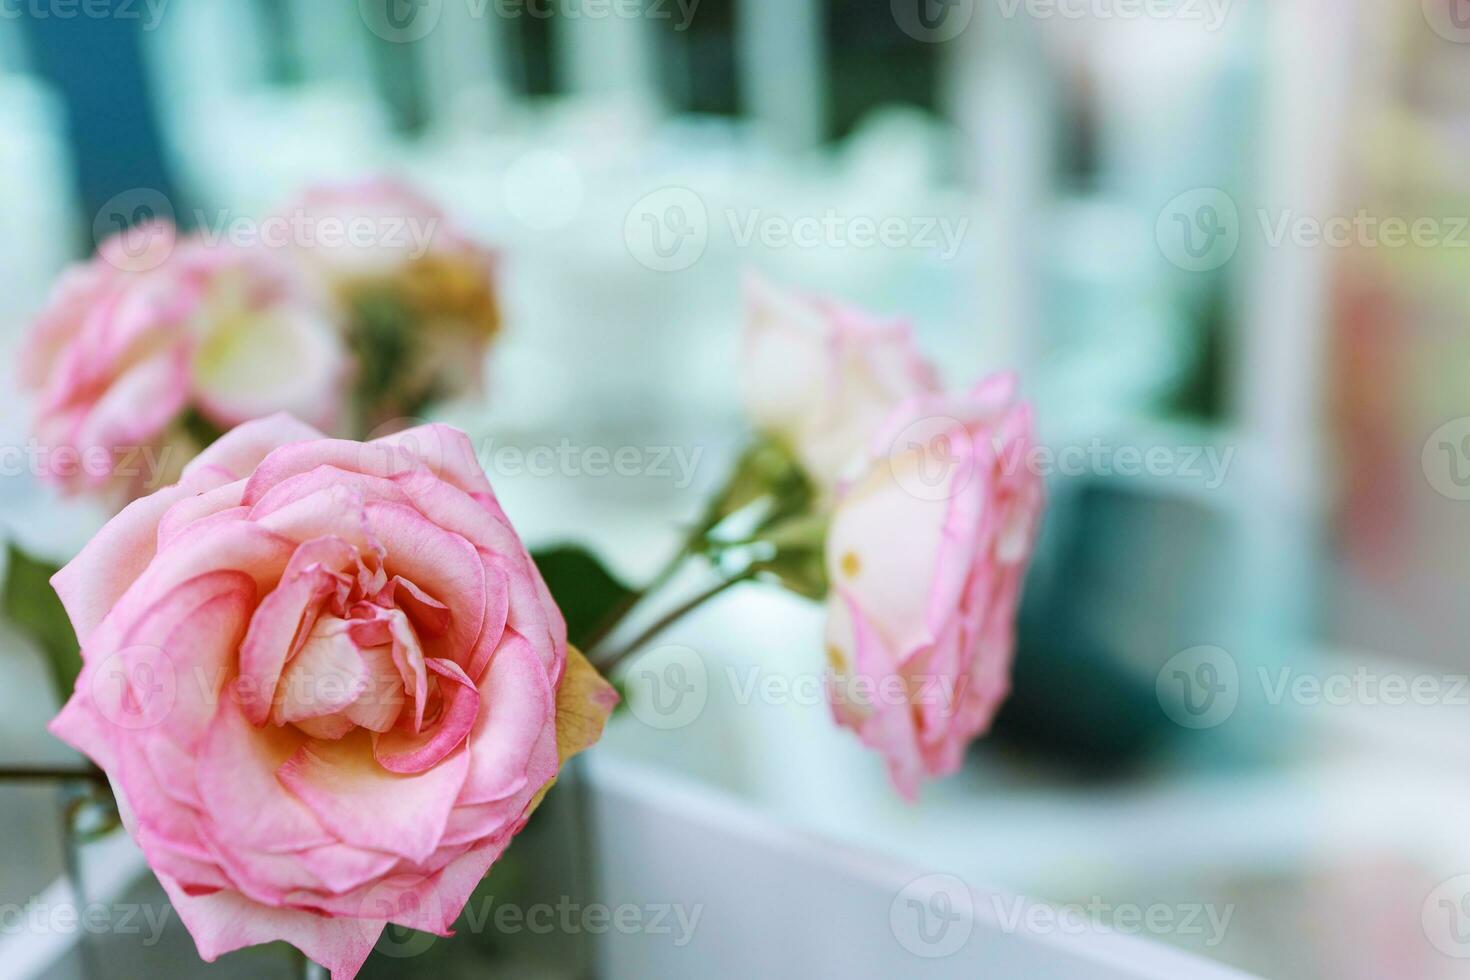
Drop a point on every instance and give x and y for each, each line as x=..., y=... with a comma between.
x=667, y=687
x=415, y=452
x=926, y=460
x=1100, y=917
x=676, y=465
x=135, y=230
x=401, y=21
x=149, y=12
x=40, y=918
x=1199, y=688
x=135, y=688
x=402, y=898
x=1199, y=230
x=933, y=21
x=1446, y=459
x=833, y=229
x=1445, y=917
x=667, y=230
x=933, y=916
x=1450, y=19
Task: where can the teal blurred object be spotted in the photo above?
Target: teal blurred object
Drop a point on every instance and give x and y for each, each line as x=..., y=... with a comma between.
x=1130, y=576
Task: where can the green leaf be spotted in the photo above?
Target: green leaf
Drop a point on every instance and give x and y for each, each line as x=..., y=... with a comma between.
x=33, y=606
x=766, y=471
x=802, y=570
x=588, y=594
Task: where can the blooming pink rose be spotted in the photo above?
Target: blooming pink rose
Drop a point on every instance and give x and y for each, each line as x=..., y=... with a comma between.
x=155, y=328
x=327, y=683
x=926, y=555
x=821, y=377
x=422, y=290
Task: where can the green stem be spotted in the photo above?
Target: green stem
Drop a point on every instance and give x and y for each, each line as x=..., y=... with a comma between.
x=607, y=664
x=621, y=612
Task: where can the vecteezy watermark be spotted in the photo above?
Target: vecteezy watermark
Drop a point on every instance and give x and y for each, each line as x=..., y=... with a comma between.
x=1363, y=229
x=1199, y=688
x=136, y=687
x=669, y=230
x=414, y=445
x=411, y=234
x=676, y=464
x=406, y=21
x=926, y=462
x=140, y=228
x=149, y=12
x=667, y=687
x=1450, y=19
x=674, y=920
x=1364, y=686
x=833, y=229
x=1446, y=459
x=1202, y=687
x=38, y=917
x=1201, y=230
x=146, y=466
x=932, y=917
x=756, y=685
x=1100, y=917
x=415, y=899
x=936, y=21
x=1210, y=14
x=1445, y=917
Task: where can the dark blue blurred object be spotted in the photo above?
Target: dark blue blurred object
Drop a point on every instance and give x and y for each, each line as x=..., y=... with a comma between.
x=96, y=65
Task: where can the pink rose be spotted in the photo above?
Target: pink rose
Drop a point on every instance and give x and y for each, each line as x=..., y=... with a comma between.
x=327, y=683
x=926, y=555
x=154, y=329
x=419, y=288
x=820, y=376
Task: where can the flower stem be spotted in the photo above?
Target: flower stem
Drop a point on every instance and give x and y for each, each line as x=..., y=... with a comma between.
x=607, y=664
x=620, y=612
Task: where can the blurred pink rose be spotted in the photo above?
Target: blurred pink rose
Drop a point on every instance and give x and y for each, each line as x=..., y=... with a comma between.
x=327, y=683
x=926, y=556
x=423, y=294
x=154, y=330
x=375, y=228
x=820, y=377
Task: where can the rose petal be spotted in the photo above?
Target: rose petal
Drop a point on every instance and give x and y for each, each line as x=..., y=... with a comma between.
x=237, y=782
x=284, y=618
x=92, y=583
x=242, y=448
x=226, y=921
x=402, y=752
x=443, y=564
x=324, y=677
x=518, y=705
x=363, y=804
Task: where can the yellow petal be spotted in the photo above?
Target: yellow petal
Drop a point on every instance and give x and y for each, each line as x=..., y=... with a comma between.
x=584, y=702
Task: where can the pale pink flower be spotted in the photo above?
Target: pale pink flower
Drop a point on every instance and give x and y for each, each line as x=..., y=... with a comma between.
x=327, y=684
x=926, y=554
x=820, y=376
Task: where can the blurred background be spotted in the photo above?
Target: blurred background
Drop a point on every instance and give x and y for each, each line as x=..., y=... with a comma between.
x=1225, y=243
